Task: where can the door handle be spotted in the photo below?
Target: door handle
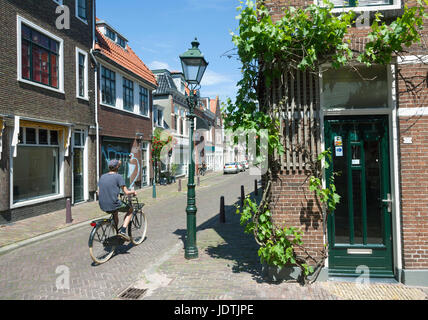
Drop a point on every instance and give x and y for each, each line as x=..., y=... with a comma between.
x=388, y=202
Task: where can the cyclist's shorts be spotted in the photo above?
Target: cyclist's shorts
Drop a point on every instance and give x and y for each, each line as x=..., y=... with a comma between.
x=124, y=207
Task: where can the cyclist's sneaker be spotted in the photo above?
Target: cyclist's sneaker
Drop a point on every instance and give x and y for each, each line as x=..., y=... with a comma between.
x=123, y=235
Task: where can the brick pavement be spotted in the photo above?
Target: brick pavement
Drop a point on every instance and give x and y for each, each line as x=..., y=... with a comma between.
x=34, y=273
x=228, y=268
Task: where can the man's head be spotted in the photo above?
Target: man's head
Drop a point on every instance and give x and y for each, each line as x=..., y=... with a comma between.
x=114, y=165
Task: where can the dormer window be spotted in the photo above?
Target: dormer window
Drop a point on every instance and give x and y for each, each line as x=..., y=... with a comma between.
x=121, y=42
x=110, y=34
x=115, y=37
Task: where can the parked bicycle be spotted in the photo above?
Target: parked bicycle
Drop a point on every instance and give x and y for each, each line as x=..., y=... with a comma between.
x=202, y=169
x=104, y=238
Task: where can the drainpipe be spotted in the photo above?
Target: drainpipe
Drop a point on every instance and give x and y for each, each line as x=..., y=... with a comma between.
x=96, y=95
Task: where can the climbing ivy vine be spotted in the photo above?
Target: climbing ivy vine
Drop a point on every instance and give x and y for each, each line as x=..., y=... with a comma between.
x=303, y=39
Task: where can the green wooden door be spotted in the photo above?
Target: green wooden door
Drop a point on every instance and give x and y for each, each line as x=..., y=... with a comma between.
x=359, y=231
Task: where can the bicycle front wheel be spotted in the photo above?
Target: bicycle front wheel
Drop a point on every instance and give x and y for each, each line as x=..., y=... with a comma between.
x=138, y=227
x=102, y=242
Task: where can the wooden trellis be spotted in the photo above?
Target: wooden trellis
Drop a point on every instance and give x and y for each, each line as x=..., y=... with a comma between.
x=296, y=93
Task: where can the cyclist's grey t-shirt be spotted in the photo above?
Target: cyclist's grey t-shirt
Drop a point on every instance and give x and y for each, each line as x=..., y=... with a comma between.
x=109, y=186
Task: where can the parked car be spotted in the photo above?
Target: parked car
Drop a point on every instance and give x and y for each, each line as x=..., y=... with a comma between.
x=240, y=166
x=231, y=167
x=244, y=165
x=247, y=165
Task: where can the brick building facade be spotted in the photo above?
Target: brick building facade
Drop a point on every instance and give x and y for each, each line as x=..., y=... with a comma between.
x=379, y=137
x=46, y=107
x=125, y=107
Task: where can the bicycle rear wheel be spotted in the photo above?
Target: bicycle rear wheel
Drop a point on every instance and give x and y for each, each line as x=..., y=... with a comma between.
x=138, y=227
x=102, y=242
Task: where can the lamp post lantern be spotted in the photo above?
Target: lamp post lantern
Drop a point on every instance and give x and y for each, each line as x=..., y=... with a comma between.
x=194, y=65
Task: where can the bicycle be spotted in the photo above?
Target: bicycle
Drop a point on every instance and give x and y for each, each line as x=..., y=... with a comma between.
x=202, y=170
x=104, y=238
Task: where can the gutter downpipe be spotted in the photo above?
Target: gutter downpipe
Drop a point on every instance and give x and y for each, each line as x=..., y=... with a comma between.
x=96, y=96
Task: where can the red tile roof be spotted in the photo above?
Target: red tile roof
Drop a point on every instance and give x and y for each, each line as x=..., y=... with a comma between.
x=126, y=58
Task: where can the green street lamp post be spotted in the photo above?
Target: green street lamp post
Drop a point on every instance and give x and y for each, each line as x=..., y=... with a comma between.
x=154, y=180
x=194, y=66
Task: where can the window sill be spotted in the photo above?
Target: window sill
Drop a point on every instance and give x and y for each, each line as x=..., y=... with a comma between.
x=83, y=98
x=40, y=85
x=84, y=21
x=368, y=8
x=36, y=201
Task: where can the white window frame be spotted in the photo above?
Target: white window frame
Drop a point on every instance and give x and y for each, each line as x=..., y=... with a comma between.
x=119, y=92
x=77, y=12
x=162, y=118
x=60, y=177
x=139, y=100
x=115, y=87
x=86, y=74
x=19, y=21
x=396, y=5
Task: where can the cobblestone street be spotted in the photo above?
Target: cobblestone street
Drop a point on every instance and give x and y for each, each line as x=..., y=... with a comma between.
x=35, y=266
x=228, y=267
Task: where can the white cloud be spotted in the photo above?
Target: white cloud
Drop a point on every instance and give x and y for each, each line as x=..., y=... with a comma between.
x=159, y=65
x=212, y=78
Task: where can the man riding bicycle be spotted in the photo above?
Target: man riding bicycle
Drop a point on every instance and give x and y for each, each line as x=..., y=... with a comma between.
x=109, y=188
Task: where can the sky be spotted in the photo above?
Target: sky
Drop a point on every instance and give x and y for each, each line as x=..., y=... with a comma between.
x=159, y=31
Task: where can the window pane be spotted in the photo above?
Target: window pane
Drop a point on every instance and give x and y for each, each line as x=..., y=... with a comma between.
x=45, y=66
x=37, y=64
x=111, y=34
x=54, y=46
x=44, y=41
x=30, y=136
x=35, y=36
x=358, y=211
x=373, y=183
x=128, y=95
x=78, y=139
x=81, y=7
x=54, y=137
x=25, y=60
x=81, y=75
x=108, y=87
x=346, y=88
x=26, y=32
x=35, y=173
x=54, y=71
x=144, y=105
x=43, y=136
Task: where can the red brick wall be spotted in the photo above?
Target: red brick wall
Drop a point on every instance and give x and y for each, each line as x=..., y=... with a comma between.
x=413, y=93
x=116, y=123
x=414, y=191
x=293, y=205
